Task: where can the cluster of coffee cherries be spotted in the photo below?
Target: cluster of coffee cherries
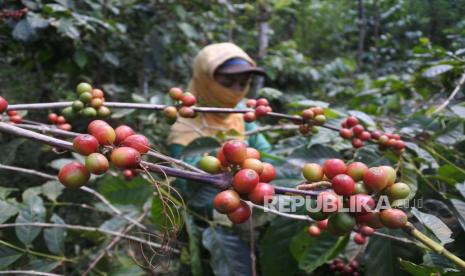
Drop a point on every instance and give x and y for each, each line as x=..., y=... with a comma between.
x=14, y=14
x=262, y=108
x=13, y=116
x=357, y=187
x=122, y=146
x=90, y=103
x=352, y=129
x=250, y=181
x=345, y=268
x=183, y=105
x=311, y=118
x=59, y=121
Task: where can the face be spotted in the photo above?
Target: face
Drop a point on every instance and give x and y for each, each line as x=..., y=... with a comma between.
x=235, y=82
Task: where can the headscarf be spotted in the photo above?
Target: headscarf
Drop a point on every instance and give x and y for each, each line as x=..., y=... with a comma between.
x=210, y=93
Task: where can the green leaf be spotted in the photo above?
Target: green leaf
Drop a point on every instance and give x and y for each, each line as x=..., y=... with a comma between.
x=41, y=265
x=325, y=247
x=408, y=176
x=24, y=32
x=381, y=260
x=165, y=215
x=188, y=30
x=7, y=210
x=5, y=192
x=80, y=58
x=314, y=154
x=433, y=223
x=200, y=146
x=437, y=70
x=32, y=211
x=420, y=270
x=55, y=237
x=52, y=190
x=194, y=245
x=120, y=191
x=370, y=156
x=229, y=255
x=32, y=192
x=8, y=256
x=459, y=207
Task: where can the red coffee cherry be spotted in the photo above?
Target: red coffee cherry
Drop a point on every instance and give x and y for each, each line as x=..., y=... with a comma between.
x=357, y=170
x=359, y=239
x=357, y=143
x=97, y=163
x=351, y=121
x=96, y=102
x=52, y=118
x=262, y=102
x=393, y=218
x=253, y=164
x=358, y=129
x=220, y=156
x=241, y=214
x=73, y=175
x=376, y=134
x=188, y=99
x=95, y=125
x=268, y=173
x=260, y=193
x=105, y=135
x=11, y=113
x=66, y=127
x=399, y=145
x=253, y=153
x=312, y=172
x=371, y=219
x=313, y=231
x=97, y=93
x=138, y=142
x=333, y=167
x=249, y=117
x=3, y=104
x=17, y=119
x=187, y=112
x=364, y=136
x=125, y=158
x=176, y=93
x=128, y=175
x=328, y=202
x=251, y=103
x=322, y=224
x=367, y=230
x=304, y=129
x=210, y=164
x=361, y=203
x=346, y=133
x=226, y=201
x=261, y=111
x=85, y=144
x=245, y=181
x=235, y=151
x=318, y=110
x=60, y=120
x=383, y=139
x=307, y=114
x=122, y=132
x=343, y=184
x=375, y=179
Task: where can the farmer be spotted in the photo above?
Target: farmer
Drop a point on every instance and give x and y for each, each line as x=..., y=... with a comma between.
x=222, y=75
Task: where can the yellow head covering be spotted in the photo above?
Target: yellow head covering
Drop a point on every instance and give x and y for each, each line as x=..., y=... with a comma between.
x=210, y=93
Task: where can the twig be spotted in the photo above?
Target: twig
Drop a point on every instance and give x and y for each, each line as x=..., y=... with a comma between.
x=312, y=186
x=90, y=229
x=291, y=216
x=39, y=254
x=252, y=246
x=271, y=128
x=29, y=272
x=452, y=95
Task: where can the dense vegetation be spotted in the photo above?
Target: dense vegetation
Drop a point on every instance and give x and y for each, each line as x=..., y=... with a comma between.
x=391, y=63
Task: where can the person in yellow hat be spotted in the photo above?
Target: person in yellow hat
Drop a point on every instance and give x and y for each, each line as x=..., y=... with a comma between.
x=222, y=75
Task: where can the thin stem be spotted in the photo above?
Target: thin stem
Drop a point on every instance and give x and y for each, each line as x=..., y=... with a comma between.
x=271, y=128
x=433, y=152
x=28, y=272
x=275, y=212
x=314, y=185
x=39, y=254
x=452, y=95
x=252, y=246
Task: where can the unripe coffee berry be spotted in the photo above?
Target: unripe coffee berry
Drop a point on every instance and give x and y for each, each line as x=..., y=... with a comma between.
x=83, y=87
x=210, y=164
x=170, y=112
x=398, y=191
x=125, y=158
x=176, y=93
x=312, y=172
x=313, y=231
x=357, y=170
x=252, y=153
x=97, y=163
x=307, y=114
x=253, y=164
x=73, y=175
x=393, y=218
x=97, y=93
x=375, y=179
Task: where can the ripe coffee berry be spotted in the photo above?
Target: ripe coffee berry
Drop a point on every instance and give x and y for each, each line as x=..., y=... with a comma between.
x=333, y=167
x=358, y=129
x=253, y=164
x=304, y=129
x=97, y=163
x=328, y=202
x=73, y=175
x=351, y=121
x=318, y=110
x=17, y=119
x=357, y=170
x=235, y=152
x=245, y=181
x=345, y=133
x=361, y=203
x=399, y=145
x=105, y=135
x=375, y=179
x=176, y=93
x=366, y=230
x=97, y=93
x=312, y=172
x=128, y=175
x=307, y=114
x=313, y=231
x=322, y=224
x=138, y=142
x=262, y=102
x=220, y=156
x=393, y=218
x=249, y=117
x=3, y=104
x=60, y=120
x=187, y=112
x=66, y=127
x=85, y=144
x=251, y=103
x=210, y=164
x=125, y=158
x=383, y=139
x=364, y=136
x=261, y=111
x=372, y=219
x=376, y=134
x=357, y=143
x=359, y=239
x=343, y=184
x=268, y=173
x=122, y=132
x=11, y=113
x=226, y=201
x=260, y=193
x=188, y=99
x=241, y=214
x=95, y=125
x=253, y=153
x=52, y=118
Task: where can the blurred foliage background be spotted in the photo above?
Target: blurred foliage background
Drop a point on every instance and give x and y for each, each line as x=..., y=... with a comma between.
x=389, y=62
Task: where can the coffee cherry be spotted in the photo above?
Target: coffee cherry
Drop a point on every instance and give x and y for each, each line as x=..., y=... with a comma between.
x=391, y=174
x=235, y=152
x=83, y=87
x=367, y=230
x=261, y=111
x=89, y=112
x=210, y=164
x=376, y=134
x=251, y=103
x=249, y=117
x=304, y=129
x=253, y=164
x=398, y=191
x=226, y=201
x=383, y=139
x=97, y=163
x=60, y=120
x=188, y=99
x=3, y=104
x=138, y=142
x=176, y=93
x=356, y=170
x=399, y=145
x=268, y=173
x=364, y=136
x=357, y=143
x=328, y=202
x=261, y=192
x=103, y=112
x=358, y=129
x=73, y=175
x=262, y=102
x=313, y=231
x=241, y=214
x=187, y=112
x=351, y=121
x=393, y=218
x=354, y=264
x=361, y=203
x=312, y=172
x=96, y=102
x=122, y=132
x=105, y=135
x=11, y=113
x=318, y=110
x=95, y=125
x=372, y=219
x=320, y=119
x=322, y=224
x=65, y=126
x=345, y=133
x=333, y=167
x=97, y=93
x=343, y=184
x=85, y=144
x=375, y=179
x=360, y=189
x=77, y=105
x=128, y=175
x=245, y=181
x=125, y=158
x=220, y=156
x=253, y=153
x=344, y=124
x=307, y=114
x=359, y=239
x=17, y=119
x=85, y=97
x=170, y=112
x=340, y=223
x=52, y=118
